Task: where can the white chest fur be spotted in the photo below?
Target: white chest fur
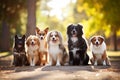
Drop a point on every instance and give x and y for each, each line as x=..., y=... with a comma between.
x=54, y=50
x=74, y=39
x=98, y=50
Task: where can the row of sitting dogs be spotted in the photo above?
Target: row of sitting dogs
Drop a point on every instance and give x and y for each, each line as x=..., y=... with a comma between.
x=47, y=48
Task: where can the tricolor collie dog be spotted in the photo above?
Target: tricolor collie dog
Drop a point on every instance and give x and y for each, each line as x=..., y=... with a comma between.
x=57, y=52
x=77, y=45
x=98, y=49
x=43, y=45
x=32, y=49
x=19, y=53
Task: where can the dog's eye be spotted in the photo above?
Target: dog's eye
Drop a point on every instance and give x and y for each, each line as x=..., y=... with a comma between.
x=56, y=35
x=42, y=34
x=51, y=35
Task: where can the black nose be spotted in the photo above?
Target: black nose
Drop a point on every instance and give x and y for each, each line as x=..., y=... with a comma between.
x=41, y=38
x=53, y=38
x=73, y=32
x=32, y=43
x=97, y=43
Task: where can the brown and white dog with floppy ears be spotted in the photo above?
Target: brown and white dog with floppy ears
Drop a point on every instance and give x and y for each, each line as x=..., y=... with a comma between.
x=32, y=50
x=57, y=52
x=43, y=45
x=98, y=49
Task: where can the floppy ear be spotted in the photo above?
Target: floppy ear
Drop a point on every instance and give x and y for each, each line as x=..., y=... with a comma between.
x=91, y=38
x=27, y=41
x=46, y=30
x=102, y=38
x=60, y=36
x=68, y=28
x=79, y=28
x=37, y=30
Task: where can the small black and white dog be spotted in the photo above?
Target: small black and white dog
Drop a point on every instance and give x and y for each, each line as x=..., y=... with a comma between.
x=19, y=53
x=77, y=45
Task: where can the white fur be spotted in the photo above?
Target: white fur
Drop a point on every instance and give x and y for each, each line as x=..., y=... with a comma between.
x=53, y=48
x=74, y=39
x=98, y=51
x=74, y=52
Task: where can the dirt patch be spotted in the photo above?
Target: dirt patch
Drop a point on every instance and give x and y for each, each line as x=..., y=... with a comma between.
x=8, y=72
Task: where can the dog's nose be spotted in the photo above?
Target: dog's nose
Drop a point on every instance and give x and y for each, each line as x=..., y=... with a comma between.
x=32, y=43
x=41, y=38
x=53, y=38
x=97, y=43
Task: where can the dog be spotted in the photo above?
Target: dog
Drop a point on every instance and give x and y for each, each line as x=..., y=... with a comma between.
x=77, y=45
x=19, y=53
x=98, y=49
x=43, y=47
x=32, y=50
x=57, y=52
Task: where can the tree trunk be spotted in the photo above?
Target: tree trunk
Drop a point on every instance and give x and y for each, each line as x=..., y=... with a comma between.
x=115, y=40
x=5, y=37
x=31, y=20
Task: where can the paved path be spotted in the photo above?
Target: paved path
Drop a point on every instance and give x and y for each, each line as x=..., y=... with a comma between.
x=89, y=72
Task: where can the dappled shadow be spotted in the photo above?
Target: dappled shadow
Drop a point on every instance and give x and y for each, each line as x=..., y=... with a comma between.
x=74, y=68
x=6, y=55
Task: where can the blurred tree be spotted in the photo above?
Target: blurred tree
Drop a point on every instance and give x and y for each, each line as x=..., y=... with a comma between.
x=103, y=15
x=31, y=21
x=9, y=18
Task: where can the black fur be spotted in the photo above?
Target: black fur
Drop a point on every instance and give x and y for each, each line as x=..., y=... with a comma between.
x=81, y=53
x=19, y=53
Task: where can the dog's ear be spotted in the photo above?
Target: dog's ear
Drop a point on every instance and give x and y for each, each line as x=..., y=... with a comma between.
x=46, y=30
x=79, y=28
x=23, y=37
x=102, y=38
x=37, y=30
x=91, y=38
x=16, y=37
x=68, y=28
x=27, y=41
x=60, y=36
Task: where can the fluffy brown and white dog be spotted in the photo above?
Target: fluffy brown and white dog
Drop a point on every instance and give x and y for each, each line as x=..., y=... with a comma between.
x=98, y=49
x=57, y=52
x=43, y=45
x=32, y=49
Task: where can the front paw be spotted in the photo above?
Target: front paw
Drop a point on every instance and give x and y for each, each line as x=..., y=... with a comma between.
x=58, y=64
x=95, y=64
x=104, y=63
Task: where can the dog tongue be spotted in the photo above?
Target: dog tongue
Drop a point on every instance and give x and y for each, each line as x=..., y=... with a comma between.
x=19, y=46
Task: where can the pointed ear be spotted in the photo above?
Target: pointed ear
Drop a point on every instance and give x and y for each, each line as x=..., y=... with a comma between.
x=23, y=37
x=46, y=30
x=37, y=30
x=16, y=37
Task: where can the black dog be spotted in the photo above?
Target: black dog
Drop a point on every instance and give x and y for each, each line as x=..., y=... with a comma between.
x=19, y=54
x=77, y=45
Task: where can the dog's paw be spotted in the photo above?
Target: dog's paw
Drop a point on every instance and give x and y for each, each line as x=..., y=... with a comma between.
x=104, y=63
x=95, y=64
x=58, y=64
